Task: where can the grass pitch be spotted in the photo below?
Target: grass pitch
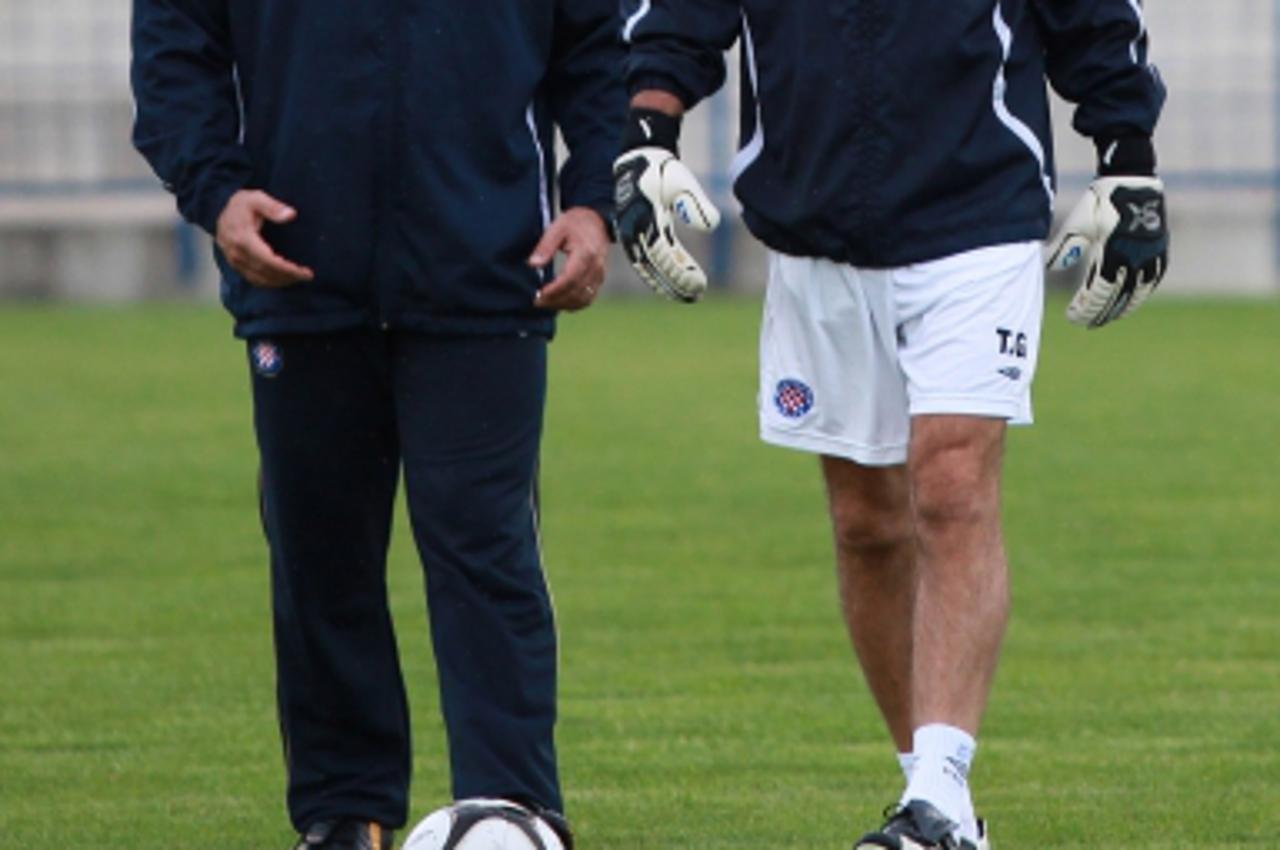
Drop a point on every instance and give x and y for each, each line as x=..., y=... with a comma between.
x=709, y=698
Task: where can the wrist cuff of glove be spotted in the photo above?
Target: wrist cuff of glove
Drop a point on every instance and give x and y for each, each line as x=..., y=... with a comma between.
x=651, y=128
x=1125, y=156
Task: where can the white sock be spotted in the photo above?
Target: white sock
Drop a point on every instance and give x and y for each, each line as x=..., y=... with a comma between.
x=907, y=761
x=944, y=755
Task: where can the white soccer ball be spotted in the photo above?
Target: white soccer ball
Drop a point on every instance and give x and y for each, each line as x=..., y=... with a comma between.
x=483, y=824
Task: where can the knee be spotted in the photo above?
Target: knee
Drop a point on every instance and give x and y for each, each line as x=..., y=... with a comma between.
x=955, y=472
x=956, y=491
x=871, y=533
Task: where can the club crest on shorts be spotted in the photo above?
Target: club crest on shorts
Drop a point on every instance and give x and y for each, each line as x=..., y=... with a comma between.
x=793, y=398
x=267, y=359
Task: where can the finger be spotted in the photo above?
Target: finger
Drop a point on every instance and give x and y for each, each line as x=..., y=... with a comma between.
x=1120, y=294
x=562, y=291
x=1157, y=273
x=265, y=276
x=1130, y=300
x=579, y=299
x=640, y=264
x=257, y=256
x=255, y=275
x=569, y=299
x=260, y=274
x=678, y=266
x=581, y=269
x=1144, y=290
x=682, y=191
x=1139, y=279
x=1071, y=244
x=1147, y=274
x=274, y=211
x=282, y=271
x=665, y=277
x=285, y=272
x=553, y=239
x=1066, y=253
x=1089, y=304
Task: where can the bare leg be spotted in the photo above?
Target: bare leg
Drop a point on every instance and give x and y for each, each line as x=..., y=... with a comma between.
x=875, y=564
x=962, y=598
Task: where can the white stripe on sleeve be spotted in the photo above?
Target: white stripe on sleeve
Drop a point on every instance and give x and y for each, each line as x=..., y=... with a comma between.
x=629, y=28
x=751, y=151
x=1015, y=124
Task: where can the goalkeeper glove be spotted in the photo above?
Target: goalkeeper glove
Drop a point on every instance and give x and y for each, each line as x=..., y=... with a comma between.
x=1114, y=246
x=650, y=182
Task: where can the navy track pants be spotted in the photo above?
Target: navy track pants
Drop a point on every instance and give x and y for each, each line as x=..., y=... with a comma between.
x=337, y=418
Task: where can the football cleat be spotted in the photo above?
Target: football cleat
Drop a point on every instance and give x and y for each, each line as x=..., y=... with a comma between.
x=345, y=835
x=916, y=826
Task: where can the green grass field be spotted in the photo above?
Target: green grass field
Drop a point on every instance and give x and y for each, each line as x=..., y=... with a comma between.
x=709, y=698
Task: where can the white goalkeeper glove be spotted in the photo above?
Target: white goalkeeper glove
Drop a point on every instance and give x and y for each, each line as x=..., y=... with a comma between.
x=1114, y=246
x=650, y=184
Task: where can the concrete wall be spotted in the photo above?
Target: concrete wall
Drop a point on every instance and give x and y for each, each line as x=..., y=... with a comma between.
x=105, y=248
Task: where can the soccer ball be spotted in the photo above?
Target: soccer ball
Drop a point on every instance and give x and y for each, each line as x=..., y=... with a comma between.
x=483, y=824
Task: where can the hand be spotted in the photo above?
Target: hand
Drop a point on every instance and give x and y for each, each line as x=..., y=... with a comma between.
x=240, y=238
x=580, y=233
x=1114, y=246
x=650, y=182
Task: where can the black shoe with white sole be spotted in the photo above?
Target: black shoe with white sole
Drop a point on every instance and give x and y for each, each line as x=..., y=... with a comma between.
x=916, y=826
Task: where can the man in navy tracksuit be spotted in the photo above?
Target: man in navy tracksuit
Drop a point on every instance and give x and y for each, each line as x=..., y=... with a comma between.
x=381, y=183
x=896, y=160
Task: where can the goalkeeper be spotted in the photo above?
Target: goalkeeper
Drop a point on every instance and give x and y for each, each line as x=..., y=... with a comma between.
x=896, y=158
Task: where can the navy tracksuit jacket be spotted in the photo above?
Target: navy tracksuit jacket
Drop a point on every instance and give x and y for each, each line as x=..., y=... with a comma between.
x=886, y=132
x=415, y=140
x=414, y=137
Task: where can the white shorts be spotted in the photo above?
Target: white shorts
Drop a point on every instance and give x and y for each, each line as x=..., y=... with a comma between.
x=848, y=355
